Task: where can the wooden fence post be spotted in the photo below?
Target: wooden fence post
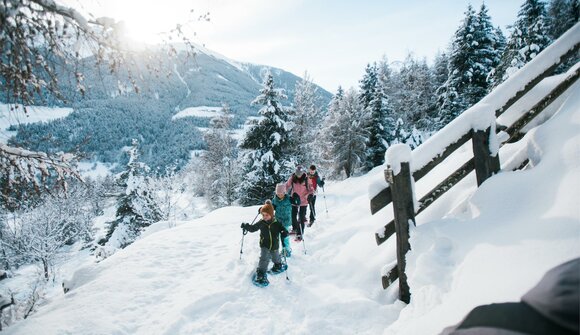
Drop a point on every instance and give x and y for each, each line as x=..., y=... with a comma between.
x=402, y=193
x=486, y=164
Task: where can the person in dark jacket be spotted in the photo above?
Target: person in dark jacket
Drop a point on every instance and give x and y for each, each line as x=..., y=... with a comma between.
x=315, y=181
x=270, y=232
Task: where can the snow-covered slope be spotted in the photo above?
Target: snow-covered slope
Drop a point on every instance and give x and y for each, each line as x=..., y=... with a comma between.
x=492, y=245
x=14, y=115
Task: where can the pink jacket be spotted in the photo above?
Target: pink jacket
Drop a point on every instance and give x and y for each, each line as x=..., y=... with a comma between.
x=301, y=186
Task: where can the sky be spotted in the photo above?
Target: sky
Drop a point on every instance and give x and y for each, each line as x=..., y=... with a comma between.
x=331, y=40
x=471, y=247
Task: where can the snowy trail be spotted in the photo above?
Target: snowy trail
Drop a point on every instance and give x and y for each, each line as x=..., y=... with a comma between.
x=190, y=280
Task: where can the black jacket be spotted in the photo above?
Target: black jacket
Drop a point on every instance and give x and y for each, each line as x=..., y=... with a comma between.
x=270, y=233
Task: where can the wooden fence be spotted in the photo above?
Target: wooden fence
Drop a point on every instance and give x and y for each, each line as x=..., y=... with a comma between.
x=485, y=163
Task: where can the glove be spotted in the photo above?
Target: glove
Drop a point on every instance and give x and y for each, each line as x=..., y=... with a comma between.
x=245, y=226
x=310, y=197
x=322, y=182
x=295, y=199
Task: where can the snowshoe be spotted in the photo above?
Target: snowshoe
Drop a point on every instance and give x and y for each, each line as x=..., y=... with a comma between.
x=278, y=268
x=259, y=279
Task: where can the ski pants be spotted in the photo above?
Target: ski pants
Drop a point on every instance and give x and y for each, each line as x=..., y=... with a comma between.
x=265, y=256
x=298, y=219
x=313, y=209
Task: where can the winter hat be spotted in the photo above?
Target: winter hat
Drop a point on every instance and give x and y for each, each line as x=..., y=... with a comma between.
x=299, y=171
x=267, y=208
x=280, y=189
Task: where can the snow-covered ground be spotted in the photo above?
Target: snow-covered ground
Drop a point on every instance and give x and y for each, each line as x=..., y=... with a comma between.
x=473, y=246
x=200, y=111
x=13, y=115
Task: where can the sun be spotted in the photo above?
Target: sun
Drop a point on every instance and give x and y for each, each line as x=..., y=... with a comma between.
x=145, y=21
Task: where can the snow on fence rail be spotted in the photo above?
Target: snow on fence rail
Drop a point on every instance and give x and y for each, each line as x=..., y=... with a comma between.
x=478, y=124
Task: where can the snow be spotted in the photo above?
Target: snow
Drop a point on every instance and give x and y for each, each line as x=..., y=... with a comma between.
x=397, y=154
x=477, y=246
x=200, y=111
x=182, y=80
x=9, y=117
x=95, y=169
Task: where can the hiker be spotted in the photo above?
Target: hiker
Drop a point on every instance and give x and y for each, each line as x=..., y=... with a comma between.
x=315, y=181
x=283, y=211
x=300, y=190
x=270, y=232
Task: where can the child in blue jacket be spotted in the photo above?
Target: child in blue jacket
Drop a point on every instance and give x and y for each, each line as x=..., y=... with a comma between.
x=283, y=207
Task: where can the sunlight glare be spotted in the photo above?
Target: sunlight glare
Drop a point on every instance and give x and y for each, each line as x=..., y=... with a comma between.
x=146, y=21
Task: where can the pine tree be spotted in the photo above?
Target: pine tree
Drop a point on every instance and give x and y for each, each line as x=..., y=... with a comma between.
x=563, y=15
x=381, y=121
x=368, y=85
x=417, y=87
x=440, y=68
x=529, y=36
x=348, y=134
x=267, y=146
x=490, y=44
x=221, y=155
x=136, y=208
x=327, y=137
x=472, y=58
x=306, y=118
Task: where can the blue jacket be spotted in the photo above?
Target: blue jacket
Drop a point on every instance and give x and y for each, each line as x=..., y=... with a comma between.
x=283, y=209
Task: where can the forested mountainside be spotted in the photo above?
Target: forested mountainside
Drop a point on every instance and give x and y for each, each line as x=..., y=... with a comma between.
x=112, y=112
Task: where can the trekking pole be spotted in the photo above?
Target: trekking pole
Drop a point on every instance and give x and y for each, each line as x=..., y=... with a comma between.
x=324, y=196
x=302, y=234
x=286, y=262
x=244, y=232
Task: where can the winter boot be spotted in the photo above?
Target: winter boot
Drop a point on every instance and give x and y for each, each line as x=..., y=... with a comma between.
x=278, y=268
x=261, y=277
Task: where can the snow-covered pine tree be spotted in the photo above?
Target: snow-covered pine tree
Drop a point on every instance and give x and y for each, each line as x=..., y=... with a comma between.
x=563, y=15
x=306, y=120
x=400, y=134
x=529, y=35
x=221, y=157
x=471, y=60
x=327, y=139
x=348, y=134
x=368, y=84
x=266, y=147
x=490, y=44
x=381, y=121
x=136, y=208
x=417, y=85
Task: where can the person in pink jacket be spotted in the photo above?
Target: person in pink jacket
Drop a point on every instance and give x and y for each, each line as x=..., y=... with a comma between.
x=300, y=189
